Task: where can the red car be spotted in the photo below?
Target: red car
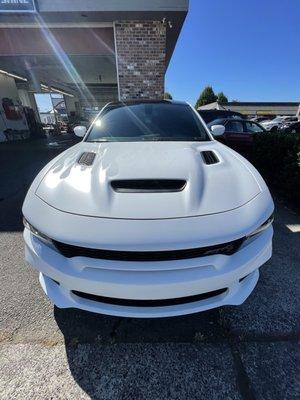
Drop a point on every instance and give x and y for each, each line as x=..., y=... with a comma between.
x=239, y=133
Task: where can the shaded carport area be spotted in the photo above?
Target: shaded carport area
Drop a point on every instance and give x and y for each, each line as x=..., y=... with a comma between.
x=91, y=52
x=79, y=63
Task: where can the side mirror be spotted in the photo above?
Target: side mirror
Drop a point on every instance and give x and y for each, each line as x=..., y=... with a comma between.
x=80, y=131
x=217, y=130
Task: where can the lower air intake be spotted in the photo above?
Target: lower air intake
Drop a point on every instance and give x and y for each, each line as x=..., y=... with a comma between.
x=150, y=303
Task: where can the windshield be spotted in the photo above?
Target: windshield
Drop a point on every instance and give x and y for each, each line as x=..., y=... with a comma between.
x=148, y=121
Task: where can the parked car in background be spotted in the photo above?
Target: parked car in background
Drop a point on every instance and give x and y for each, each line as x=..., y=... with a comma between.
x=274, y=124
x=260, y=119
x=238, y=134
x=290, y=127
x=210, y=115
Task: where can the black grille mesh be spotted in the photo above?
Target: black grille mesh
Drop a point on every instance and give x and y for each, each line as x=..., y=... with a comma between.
x=70, y=251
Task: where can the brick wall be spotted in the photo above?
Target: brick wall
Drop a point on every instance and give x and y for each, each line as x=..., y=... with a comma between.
x=141, y=49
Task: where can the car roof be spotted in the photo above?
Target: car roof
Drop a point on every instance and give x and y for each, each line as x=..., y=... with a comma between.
x=226, y=119
x=230, y=119
x=145, y=101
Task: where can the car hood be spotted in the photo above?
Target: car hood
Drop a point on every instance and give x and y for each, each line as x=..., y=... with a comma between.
x=209, y=189
x=267, y=122
x=273, y=122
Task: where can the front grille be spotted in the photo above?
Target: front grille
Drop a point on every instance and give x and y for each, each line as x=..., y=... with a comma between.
x=148, y=185
x=70, y=251
x=149, y=303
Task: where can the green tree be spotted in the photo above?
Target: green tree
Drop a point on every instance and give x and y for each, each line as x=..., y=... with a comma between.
x=168, y=96
x=206, y=97
x=222, y=99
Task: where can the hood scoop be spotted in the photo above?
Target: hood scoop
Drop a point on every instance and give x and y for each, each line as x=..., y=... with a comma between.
x=87, y=159
x=148, y=185
x=209, y=157
x=148, y=180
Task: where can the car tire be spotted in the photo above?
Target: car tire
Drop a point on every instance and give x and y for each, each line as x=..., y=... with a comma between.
x=274, y=129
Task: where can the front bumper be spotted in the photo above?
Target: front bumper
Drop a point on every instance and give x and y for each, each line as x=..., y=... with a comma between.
x=61, y=276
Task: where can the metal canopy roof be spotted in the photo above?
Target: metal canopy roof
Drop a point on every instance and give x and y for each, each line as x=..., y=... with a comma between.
x=85, y=12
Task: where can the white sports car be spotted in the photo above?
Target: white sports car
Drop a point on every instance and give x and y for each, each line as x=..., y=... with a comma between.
x=148, y=216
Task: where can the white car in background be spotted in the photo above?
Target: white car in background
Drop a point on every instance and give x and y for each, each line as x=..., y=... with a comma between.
x=274, y=124
x=148, y=216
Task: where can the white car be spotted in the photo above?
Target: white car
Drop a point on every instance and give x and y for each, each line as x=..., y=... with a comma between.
x=274, y=124
x=148, y=216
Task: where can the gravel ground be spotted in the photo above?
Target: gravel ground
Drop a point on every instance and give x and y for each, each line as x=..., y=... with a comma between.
x=246, y=352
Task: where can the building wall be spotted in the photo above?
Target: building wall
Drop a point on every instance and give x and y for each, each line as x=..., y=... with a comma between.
x=71, y=104
x=27, y=99
x=8, y=89
x=24, y=97
x=141, y=55
x=253, y=108
x=282, y=109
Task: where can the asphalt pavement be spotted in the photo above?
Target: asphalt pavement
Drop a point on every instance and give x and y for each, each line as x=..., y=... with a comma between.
x=246, y=352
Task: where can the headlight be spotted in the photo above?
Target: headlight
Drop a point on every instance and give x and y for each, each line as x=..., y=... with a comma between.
x=37, y=233
x=262, y=227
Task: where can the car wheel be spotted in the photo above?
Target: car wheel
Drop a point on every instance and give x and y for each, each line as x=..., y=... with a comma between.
x=274, y=129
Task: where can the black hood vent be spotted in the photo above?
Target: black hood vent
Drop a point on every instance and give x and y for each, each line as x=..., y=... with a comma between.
x=209, y=157
x=87, y=159
x=148, y=185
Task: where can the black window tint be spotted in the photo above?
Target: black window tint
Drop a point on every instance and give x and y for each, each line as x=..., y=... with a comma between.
x=252, y=127
x=234, y=126
x=148, y=121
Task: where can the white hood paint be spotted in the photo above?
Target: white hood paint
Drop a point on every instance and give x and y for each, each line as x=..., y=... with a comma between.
x=210, y=189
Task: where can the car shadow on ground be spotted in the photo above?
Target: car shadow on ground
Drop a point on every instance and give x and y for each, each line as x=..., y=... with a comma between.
x=80, y=326
x=102, y=349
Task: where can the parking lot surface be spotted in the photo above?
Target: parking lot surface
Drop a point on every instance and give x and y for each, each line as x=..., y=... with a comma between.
x=246, y=352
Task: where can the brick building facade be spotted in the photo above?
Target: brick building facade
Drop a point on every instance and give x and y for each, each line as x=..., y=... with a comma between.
x=141, y=59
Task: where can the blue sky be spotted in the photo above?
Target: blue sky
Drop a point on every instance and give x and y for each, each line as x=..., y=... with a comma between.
x=249, y=49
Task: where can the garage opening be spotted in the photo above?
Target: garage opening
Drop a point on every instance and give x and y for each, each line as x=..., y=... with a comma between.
x=54, y=78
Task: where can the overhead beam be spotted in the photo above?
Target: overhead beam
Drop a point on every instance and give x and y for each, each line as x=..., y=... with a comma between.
x=72, y=41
